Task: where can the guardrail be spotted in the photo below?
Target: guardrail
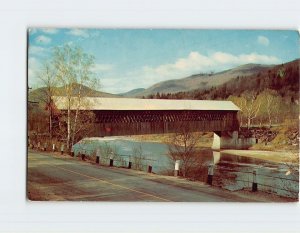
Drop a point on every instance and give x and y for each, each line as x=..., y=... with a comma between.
x=119, y=160
x=254, y=180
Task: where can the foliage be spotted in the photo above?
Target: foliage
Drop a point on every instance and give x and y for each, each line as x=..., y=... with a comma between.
x=262, y=97
x=73, y=66
x=68, y=73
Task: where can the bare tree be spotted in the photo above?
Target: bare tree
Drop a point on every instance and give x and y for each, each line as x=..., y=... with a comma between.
x=250, y=106
x=74, y=71
x=138, y=157
x=48, y=81
x=64, y=63
x=271, y=102
x=183, y=147
x=84, y=78
x=239, y=102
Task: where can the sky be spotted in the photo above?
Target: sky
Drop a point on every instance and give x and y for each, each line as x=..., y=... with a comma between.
x=126, y=59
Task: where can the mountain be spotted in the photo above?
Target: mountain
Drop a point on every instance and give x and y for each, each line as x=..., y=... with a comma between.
x=41, y=93
x=201, y=81
x=282, y=79
x=134, y=92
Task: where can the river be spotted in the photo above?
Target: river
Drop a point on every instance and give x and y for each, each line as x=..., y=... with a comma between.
x=232, y=172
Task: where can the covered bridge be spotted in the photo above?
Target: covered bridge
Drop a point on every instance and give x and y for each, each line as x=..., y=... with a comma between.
x=129, y=116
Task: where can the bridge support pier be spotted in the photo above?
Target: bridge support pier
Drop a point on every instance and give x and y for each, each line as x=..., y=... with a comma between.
x=231, y=140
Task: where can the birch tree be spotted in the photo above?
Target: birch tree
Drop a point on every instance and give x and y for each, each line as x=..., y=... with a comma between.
x=250, y=106
x=74, y=71
x=83, y=71
x=270, y=101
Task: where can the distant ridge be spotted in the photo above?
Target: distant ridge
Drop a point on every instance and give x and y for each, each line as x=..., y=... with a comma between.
x=133, y=92
x=40, y=93
x=198, y=81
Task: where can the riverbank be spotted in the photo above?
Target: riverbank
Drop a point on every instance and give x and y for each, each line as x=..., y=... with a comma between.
x=233, y=168
x=205, y=138
x=284, y=155
x=273, y=156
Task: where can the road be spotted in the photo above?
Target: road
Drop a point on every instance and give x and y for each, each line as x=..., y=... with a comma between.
x=60, y=178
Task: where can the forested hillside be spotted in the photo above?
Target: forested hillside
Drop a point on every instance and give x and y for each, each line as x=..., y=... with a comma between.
x=201, y=81
x=268, y=97
x=40, y=94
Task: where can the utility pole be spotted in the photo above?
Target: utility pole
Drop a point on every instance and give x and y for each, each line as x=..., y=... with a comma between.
x=31, y=102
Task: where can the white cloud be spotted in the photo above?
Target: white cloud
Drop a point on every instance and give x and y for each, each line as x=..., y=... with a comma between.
x=37, y=50
x=33, y=68
x=78, y=32
x=263, y=40
x=114, y=85
x=196, y=62
x=50, y=30
x=192, y=64
x=43, y=39
x=102, y=67
x=219, y=58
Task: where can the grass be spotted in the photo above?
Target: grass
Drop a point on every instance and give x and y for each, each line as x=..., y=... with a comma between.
x=280, y=142
x=273, y=156
x=205, y=138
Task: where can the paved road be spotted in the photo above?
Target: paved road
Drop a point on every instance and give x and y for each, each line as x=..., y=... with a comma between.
x=64, y=178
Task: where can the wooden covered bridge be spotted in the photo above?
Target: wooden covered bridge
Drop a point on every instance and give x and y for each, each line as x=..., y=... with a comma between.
x=129, y=116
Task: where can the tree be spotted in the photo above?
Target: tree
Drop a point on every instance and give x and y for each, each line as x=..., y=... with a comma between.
x=74, y=70
x=250, y=106
x=239, y=102
x=48, y=81
x=270, y=103
x=138, y=157
x=182, y=146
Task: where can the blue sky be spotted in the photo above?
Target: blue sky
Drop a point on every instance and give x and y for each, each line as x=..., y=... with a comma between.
x=126, y=59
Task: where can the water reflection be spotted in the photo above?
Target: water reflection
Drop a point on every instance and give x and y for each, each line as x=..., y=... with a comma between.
x=231, y=171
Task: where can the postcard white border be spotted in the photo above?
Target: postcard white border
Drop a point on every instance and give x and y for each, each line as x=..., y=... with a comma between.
x=19, y=215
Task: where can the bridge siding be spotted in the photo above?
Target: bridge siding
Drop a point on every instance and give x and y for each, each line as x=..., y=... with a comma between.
x=117, y=123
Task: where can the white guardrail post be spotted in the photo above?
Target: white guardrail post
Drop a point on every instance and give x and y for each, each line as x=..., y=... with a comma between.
x=254, y=184
x=210, y=174
x=176, y=171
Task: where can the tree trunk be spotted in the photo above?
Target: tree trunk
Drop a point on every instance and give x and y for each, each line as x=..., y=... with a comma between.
x=76, y=115
x=50, y=110
x=74, y=127
x=69, y=126
x=249, y=122
x=50, y=124
x=270, y=121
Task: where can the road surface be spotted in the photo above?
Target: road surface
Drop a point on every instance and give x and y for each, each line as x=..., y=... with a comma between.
x=54, y=177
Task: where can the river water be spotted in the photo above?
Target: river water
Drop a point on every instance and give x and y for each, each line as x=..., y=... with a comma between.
x=231, y=172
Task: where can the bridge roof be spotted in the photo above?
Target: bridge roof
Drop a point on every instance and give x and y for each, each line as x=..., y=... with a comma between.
x=101, y=103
